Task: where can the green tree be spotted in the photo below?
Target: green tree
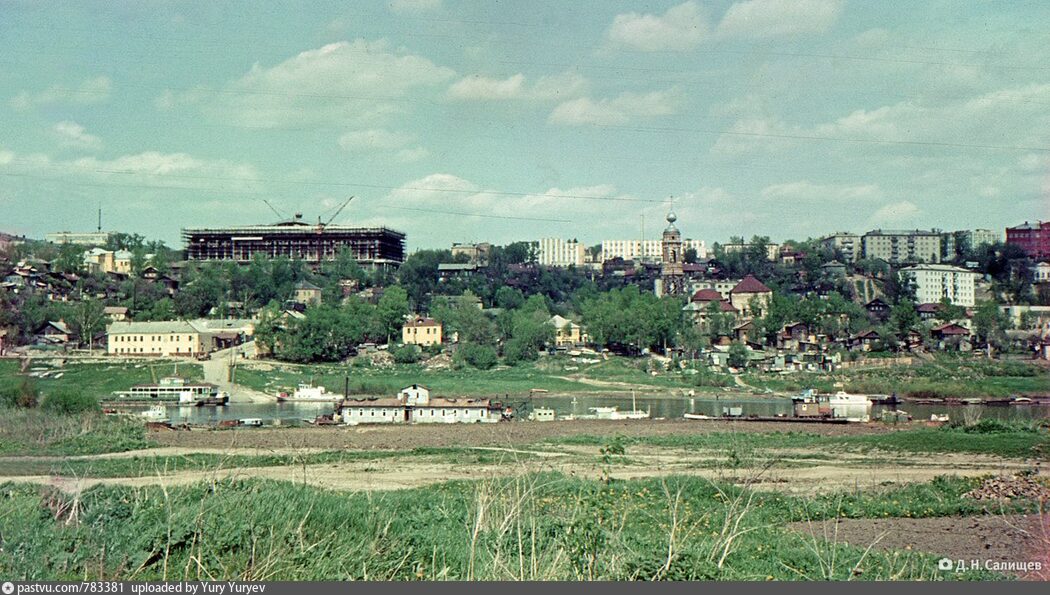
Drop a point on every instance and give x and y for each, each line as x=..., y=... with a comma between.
x=737, y=355
x=904, y=318
x=70, y=401
x=390, y=312
x=989, y=322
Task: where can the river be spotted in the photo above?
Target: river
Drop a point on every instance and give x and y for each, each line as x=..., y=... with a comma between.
x=659, y=406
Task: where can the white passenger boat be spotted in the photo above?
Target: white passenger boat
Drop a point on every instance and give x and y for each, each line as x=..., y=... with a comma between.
x=849, y=406
x=306, y=393
x=171, y=388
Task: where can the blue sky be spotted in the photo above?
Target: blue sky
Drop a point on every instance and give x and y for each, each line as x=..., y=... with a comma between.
x=456, y=120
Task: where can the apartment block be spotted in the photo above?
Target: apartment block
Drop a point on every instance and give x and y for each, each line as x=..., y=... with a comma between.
x=934, y=282
x=903, y=246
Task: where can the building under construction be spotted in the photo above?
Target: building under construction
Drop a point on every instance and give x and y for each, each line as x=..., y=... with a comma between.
x=370, y=246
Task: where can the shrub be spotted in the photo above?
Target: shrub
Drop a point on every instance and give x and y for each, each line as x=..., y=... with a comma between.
x=70, y=401
x=481, y=357
x=406, y=354
x=24, y=396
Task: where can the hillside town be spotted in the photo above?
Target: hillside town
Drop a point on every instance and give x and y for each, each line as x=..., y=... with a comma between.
x=815, y=304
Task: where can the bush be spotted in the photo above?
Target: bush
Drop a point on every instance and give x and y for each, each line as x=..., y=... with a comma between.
x=70, y=401
x=24, y=396
x=406, y=354
x=481, y=357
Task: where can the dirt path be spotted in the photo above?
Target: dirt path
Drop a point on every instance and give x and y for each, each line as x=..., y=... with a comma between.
x=790, y=471
x=998, y=539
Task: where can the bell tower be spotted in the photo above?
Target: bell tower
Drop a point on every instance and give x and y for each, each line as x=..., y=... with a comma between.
x=672, y=274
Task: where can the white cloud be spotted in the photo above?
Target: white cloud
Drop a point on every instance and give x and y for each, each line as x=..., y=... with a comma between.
x=359, y=82
x=546, y=88
x=898, y=213
x=379, y=141
x=805, y=190
x=412, y=155
x=71, y=134
x=373, y=139
x=778, y=18
x=682, y=27
x=141, y=170
x=94, y=90
x=619, y=110
x=414, y=6
x=487, y=89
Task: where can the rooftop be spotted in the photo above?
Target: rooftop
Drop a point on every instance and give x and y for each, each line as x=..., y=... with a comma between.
x=750, y=284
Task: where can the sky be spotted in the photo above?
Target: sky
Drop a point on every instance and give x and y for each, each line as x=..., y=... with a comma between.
x=470, y=120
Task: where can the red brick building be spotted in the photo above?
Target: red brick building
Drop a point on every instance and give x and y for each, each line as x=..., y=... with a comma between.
x=1033, y=238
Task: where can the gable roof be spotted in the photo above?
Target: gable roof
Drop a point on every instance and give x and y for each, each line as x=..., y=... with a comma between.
x=114, y=310
x=750, y=284
x=928, y=308
x=421, y=321
x=304, y=284
x=726, y=306
x=560, y=322
x=950, y=329
x=706, y=295
x=877, y=302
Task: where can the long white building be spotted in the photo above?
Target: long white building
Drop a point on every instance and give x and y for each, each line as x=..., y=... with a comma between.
x=646, y=250
x=556, y=252
x=936, y=281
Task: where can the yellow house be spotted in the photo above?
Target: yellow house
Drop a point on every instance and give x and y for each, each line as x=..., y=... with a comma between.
x=421, y=331
x=160, y=339
x=566, y=332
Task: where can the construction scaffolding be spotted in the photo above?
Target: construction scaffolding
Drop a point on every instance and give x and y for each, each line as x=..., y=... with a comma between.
x=370, y=246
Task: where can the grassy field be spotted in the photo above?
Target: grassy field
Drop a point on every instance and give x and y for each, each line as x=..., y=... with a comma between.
x=100, y=379
x=556, y=374
x=1018, y=440
x=546, y=526
x=34, y=432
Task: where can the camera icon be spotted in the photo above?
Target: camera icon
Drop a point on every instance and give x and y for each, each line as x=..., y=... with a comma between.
x=944, y=564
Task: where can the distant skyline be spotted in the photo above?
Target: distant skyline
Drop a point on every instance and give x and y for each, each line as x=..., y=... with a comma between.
x=465, y=121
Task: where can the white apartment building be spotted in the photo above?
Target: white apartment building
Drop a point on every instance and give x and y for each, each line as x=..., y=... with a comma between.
x=974, y=238
x=847, y=243
x=556, y=252
x=896, y=246
x=646, y=250
x=85, y=238
x=936, y=281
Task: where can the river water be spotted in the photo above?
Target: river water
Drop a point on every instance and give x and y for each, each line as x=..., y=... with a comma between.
x=659, y=406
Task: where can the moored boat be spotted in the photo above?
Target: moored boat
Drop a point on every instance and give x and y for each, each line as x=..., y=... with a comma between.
x=306, y=393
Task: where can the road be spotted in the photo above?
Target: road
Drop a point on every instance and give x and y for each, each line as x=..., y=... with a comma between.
x=217, y=371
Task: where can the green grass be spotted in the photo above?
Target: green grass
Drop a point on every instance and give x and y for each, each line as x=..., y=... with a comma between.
x=1019, y=440
x=35, y=432
x=531, y=527
x=100, y=379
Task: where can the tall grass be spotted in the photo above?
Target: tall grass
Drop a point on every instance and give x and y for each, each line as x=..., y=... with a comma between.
x=36, y=432
x=531, y=527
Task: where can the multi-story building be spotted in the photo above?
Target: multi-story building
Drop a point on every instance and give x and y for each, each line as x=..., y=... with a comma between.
x=975, y=238
x=556, y=252
x=934, y=282
x=902, y=246
x=477, y=254
x=421, y=331
x=646, y=250
x=1033, y=238
x=177, y=338
x=370, y=246
x=84, y=238
x=845, y=242
x=97, y=260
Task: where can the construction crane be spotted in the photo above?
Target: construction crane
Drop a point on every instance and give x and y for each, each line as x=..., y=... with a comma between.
x=275, y=211
x=321, y=227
